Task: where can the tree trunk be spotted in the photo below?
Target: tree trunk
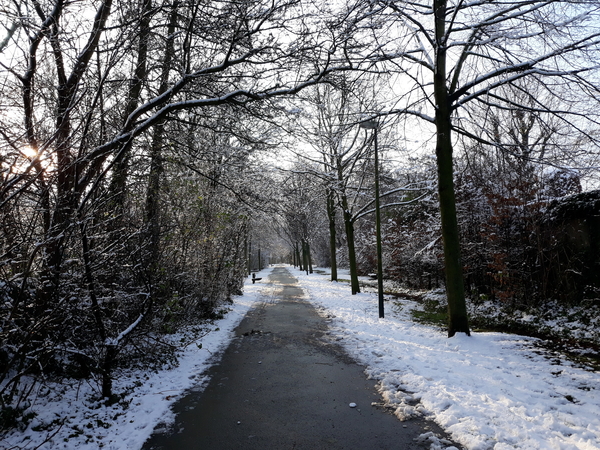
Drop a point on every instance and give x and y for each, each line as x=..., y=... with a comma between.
x=109, y=357
x=305, y=255
x=246, y=253
x=152, y=199
x=156, y=166
x=349, y=226
x=332, y=235
x=249, y=258
x=457, y=310
x=121, y=164
x=298, y=258
x=259, y=260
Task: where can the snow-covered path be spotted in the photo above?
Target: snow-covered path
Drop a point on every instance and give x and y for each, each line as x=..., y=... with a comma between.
x=489, y=391
x=281, y=384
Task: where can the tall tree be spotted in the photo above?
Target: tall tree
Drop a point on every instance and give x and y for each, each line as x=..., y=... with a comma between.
x=450, y=54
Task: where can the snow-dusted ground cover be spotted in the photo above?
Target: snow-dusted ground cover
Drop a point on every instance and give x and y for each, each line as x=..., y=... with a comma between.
x=87, y=424
x=566, y=323
x=489, y=391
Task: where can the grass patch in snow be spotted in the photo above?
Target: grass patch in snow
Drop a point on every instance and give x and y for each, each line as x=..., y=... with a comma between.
x=433, y=312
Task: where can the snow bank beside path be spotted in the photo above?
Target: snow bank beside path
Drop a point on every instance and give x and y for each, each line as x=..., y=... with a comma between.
x=89, y=426
x=488, y=391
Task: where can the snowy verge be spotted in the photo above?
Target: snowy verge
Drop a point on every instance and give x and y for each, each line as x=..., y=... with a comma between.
x=89, y=425
x=488, y=391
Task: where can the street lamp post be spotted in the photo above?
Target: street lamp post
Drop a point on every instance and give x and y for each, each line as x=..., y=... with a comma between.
x=373, y=125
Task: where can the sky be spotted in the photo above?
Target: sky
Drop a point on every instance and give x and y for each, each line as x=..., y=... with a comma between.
x=490, y=391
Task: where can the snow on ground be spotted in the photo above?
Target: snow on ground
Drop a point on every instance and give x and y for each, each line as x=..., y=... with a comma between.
x=488, y=391
x=88, y=425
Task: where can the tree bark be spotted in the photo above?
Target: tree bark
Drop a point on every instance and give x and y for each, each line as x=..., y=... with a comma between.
x=246, y=254
x=298, y=258
x=107, y=365
x=249, y=258
x=332, y=235
x=259, y=260
x=156, y=166
x=457, y=310
x=349, y=226
x=121, y=165
x=305, y=255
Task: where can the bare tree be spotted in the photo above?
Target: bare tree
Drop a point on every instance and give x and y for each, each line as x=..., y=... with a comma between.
x=343, y=150
x=96, y=95
x=341, y=155
x=451, y=54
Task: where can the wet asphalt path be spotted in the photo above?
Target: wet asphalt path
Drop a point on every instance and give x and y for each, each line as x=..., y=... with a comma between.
x=282, y=385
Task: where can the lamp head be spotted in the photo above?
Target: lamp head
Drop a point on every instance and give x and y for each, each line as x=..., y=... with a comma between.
x=369, y=124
